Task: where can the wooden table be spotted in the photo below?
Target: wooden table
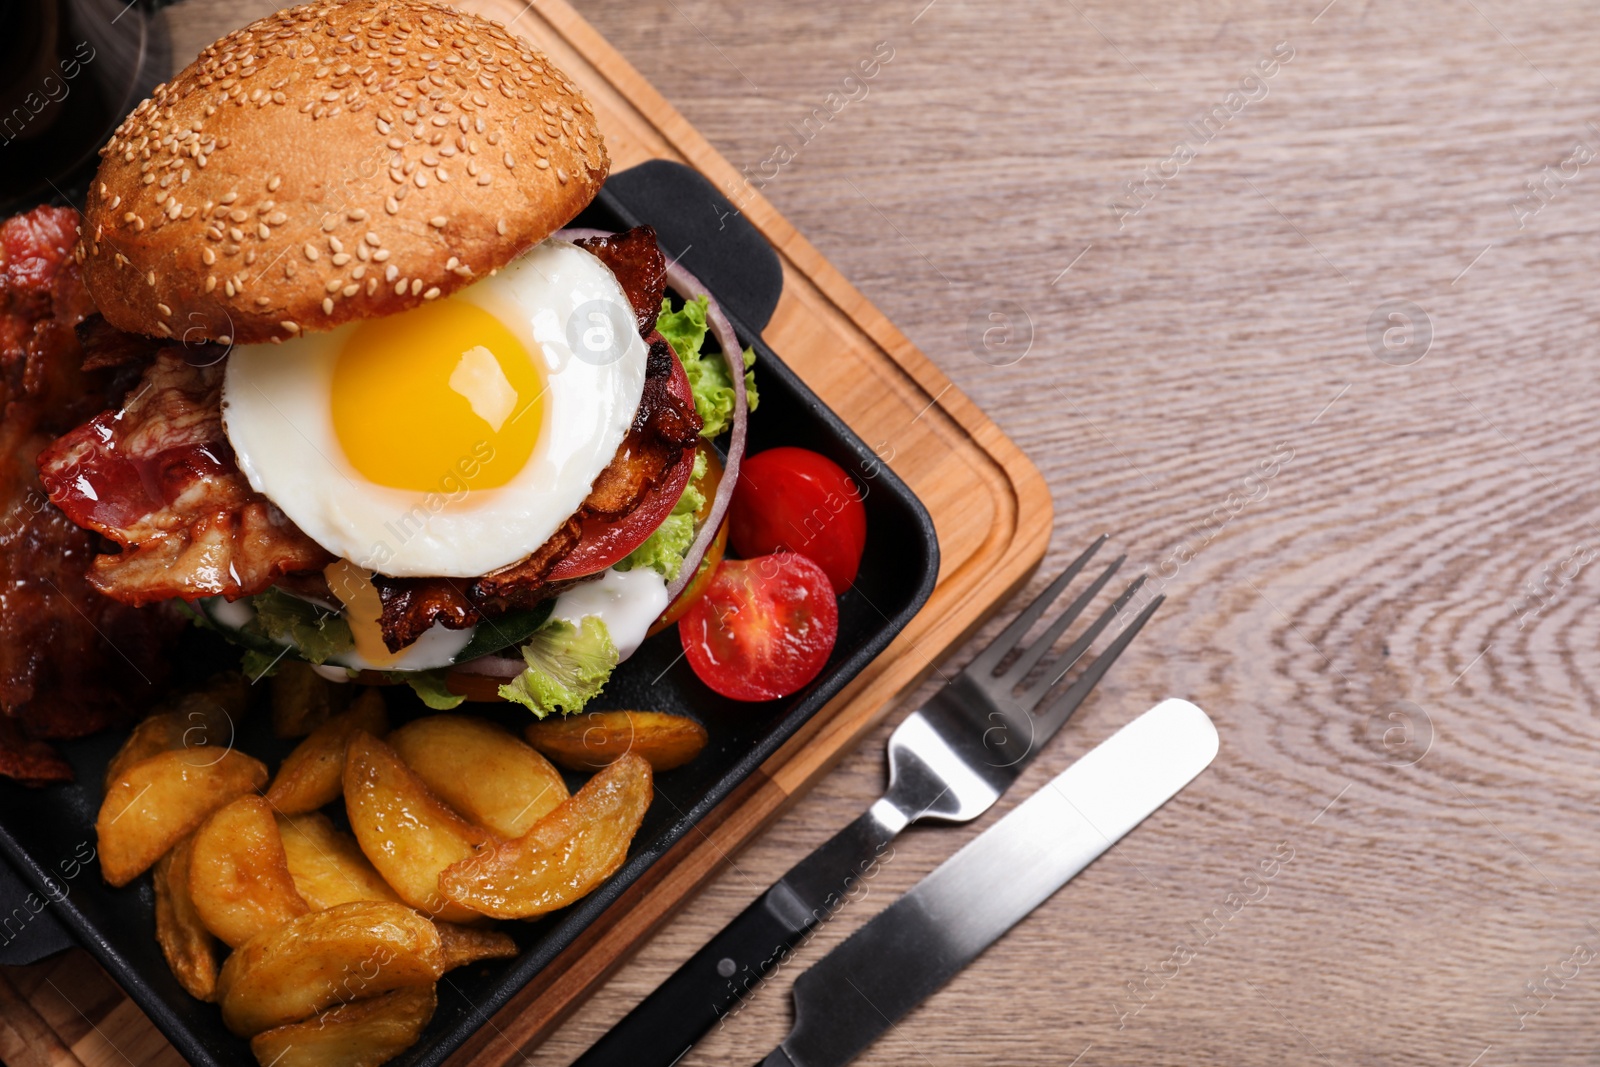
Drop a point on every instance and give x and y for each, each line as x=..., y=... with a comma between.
x=1375, y=531
x=1370, y=596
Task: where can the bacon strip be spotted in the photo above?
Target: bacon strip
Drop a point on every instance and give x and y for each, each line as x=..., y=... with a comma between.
x=157, y=477
x=71, y=661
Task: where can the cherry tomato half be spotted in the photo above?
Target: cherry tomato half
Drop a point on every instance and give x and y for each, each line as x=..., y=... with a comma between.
x=764, y=627
x=795, y=500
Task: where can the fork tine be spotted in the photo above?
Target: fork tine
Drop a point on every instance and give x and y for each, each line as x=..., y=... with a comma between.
x=984, y=663
x=1050, y=720
x=1014, y=674
x=1074, y=652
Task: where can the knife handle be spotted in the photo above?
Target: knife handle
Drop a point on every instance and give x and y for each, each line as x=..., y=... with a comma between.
x=711, y=983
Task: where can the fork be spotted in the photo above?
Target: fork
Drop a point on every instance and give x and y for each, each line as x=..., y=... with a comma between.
x=949, y=761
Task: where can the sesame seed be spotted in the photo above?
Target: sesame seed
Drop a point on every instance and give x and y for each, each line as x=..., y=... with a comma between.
x=151, y=278
x=328, y=224
x=431, y=293
x=336, y=244
x=351, y=290
x=166, y=312
x=262, y=301
x=438, y=221
x=416, y=286
x=236, y=233
x=341, y=258
x=226, y=339
x=290, y=326
x=359, y=273
x=372, y=239
x=391, y=205
x=227, y=286
x=333, y=285
x=211, y=282
x=400, y=287
x=390, y=273
x=311, y=252
x=272, y=185
x=327, y=305
x=207, y=256
x=542, y=163
x=262, y=231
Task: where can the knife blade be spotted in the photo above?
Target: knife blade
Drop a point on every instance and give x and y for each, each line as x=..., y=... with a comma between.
x=911, y=948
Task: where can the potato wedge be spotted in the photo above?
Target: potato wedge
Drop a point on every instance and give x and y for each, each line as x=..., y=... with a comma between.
x=238, y=875
x=464, y=944
x=303, y=700
x=190, y=949
x=569, y=852
x=204, y=719
x=158, y=801
x=327, y=865
x=323, y=958
x=313, y=773
x=364, y=1033
x=408, y=833
x=482, y=771
x=590, y=741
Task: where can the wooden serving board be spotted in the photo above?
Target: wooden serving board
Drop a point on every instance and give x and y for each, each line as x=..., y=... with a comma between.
x=989, y=504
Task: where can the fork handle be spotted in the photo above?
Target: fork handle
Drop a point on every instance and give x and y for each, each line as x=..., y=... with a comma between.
x=707, y=989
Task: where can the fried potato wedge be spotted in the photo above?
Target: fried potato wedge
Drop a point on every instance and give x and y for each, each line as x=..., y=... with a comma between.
x=408, y=833
x=482, y=771
x=190, y=949
x=569, y=852
x=308, y=964
x=202, y=719
x=303, y=700
x=590, y=741
x=364, y=1033
x=158, y=801
x=465, y=944
x=238, y=874
x=313, y=773
x=327, y=865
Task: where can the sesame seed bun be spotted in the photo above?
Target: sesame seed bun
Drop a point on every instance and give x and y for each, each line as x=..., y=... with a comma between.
x=333, y=162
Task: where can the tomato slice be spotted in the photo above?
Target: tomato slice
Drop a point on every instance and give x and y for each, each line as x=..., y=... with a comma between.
x=763, y=629
x=603, y=542
x=795, y=500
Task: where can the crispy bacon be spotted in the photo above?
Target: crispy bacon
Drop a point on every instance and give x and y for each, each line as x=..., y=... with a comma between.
x=71, y=661
x=635, y=258
x=158, y=477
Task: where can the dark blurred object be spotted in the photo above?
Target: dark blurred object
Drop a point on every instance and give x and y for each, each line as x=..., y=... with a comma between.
x=69, y=71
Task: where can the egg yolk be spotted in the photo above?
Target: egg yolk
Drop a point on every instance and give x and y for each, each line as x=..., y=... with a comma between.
x=440, y=399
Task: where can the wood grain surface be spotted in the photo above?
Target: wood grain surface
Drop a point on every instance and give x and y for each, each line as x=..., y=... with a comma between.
x=1396, y=706
x=1375, y=531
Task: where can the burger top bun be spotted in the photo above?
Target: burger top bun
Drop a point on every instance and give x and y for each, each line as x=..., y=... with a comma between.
x=333, y=162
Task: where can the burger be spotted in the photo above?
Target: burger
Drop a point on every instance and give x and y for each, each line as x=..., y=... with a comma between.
x=386, y=416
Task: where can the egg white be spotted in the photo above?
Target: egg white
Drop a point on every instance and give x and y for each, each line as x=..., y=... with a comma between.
x=277, y=411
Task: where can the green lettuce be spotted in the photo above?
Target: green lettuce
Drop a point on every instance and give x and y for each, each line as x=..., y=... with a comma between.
x=429, y=687
x=257, y=665
x=664, y=549
x=685, y=330
x=315, y=634
x=567, y=667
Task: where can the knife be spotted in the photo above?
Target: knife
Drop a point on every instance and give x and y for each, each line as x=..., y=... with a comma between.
x=911, y=948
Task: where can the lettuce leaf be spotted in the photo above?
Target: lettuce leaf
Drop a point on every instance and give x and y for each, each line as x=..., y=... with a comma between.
x=567, y=667
x=429, y=687
x=685, y=330
x=314, y=634
x=664, y=549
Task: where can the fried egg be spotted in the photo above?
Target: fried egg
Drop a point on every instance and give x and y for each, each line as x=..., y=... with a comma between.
x=451, y=439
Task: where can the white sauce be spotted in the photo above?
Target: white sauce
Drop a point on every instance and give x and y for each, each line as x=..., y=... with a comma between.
x=437, y=647
x=234, y=615
x=626, y=601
